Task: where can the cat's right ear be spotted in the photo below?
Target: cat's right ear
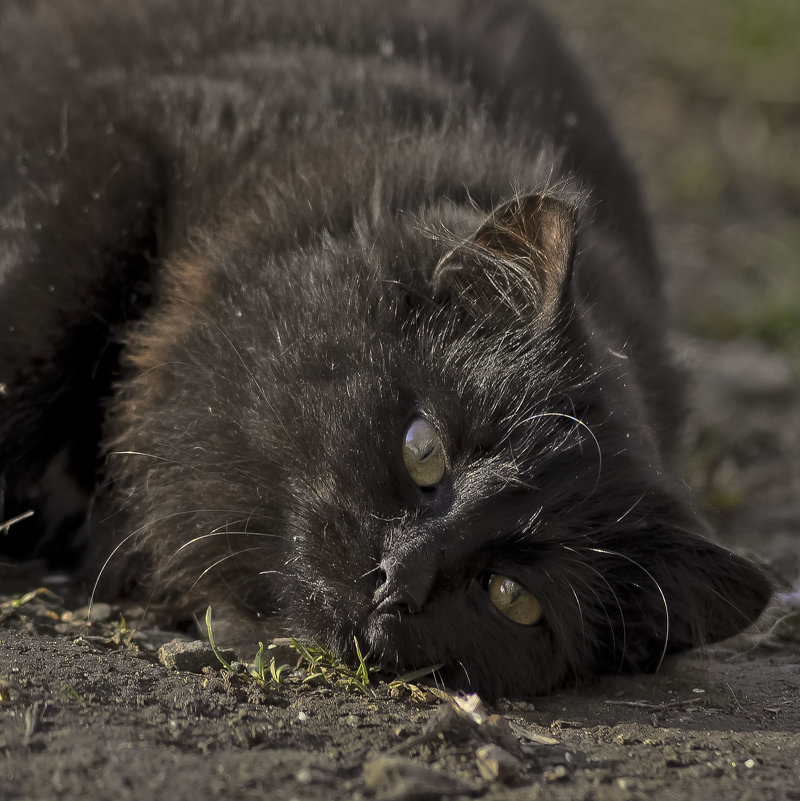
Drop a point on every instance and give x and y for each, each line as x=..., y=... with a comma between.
x=520, y=259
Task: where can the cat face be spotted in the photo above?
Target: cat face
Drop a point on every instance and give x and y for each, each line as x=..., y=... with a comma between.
x=424, y=451
x=468, y=491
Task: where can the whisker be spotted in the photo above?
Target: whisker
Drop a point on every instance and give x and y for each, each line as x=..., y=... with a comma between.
x=660, y=592
x=218, y=533
x=220, y=561
x=591, y=433
x=466, y=672
x=204, y=367
x=105, y=565
x=631, y=507
x=437, y=679
x=374, y=570
x=139, y=530
x=602, y=606
x=190, y=464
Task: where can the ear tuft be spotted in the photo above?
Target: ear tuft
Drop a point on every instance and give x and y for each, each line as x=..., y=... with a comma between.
x=535, y=228
x=521, y=256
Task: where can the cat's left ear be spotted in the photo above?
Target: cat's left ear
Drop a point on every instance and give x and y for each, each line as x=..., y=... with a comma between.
x=520, y=257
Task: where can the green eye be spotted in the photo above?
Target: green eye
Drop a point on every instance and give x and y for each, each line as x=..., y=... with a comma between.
x=514, y=601
x=423, y=453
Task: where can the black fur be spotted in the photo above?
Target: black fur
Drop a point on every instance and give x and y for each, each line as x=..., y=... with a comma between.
x=243, y=244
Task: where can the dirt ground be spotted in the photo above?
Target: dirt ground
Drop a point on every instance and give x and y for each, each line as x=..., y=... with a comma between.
x=707, y=100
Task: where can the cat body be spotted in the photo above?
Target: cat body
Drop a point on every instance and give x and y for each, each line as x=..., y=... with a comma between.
x=346, y=315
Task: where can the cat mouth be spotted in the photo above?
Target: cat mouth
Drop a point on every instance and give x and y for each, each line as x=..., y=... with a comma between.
x=398, y=641
x=408, y=647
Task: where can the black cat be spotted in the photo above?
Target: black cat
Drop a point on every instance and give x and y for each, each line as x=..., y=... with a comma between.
x=345, y=313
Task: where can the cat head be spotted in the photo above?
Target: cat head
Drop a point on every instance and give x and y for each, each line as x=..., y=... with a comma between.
x=476, y=487
x=426, y=447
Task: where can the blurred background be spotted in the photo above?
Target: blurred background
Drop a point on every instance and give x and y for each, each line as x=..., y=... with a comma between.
x=706, y=98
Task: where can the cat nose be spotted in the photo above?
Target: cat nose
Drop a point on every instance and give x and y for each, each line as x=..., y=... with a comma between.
x=404, y=584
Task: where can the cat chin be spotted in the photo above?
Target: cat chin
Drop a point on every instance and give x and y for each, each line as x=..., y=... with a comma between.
x=475, y=654
x=402, y=643
x=489, y=669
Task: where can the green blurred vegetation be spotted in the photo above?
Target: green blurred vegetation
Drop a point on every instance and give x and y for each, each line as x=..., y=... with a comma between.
x=767, y=306
x=707, y=97
x=746, y=48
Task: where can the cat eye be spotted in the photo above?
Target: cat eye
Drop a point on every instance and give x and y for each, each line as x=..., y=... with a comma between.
x=423, y=453
x=513, y=600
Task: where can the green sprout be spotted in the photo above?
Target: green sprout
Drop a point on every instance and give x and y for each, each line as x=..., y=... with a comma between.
x=275, y=672
x=321, y=664
x=224, y=662
x=259, y=669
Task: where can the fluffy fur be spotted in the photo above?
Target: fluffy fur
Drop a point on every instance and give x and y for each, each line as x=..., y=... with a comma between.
x=244, y=244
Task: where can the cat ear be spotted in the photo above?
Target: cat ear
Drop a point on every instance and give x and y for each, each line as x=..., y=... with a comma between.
x=520, y=257
x=675, y=590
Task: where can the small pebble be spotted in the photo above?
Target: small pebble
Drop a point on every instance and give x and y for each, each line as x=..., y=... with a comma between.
x=192, y=655
x=98, y=613
x=557, y=774
x=496, y=764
